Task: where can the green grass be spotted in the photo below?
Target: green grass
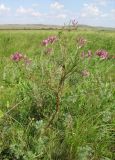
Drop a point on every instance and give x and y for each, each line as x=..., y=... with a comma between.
x=29, y=41
x=83, y=128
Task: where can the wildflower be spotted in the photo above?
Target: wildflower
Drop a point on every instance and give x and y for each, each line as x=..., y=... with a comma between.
x=19, y=57
x=81, y=42
x=102, y=54
x=74, y=22
x=16, y=56
x=85, y=73
x=45, y=42
x=50, y=39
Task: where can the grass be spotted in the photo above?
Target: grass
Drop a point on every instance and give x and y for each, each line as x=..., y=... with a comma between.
x=31, y=94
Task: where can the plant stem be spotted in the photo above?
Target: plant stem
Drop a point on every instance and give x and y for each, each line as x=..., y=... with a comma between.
x=58, y=95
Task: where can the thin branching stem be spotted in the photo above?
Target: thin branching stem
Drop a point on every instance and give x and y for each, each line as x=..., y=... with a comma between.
x=58, y=96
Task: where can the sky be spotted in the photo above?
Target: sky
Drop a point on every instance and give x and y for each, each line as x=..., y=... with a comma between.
x=58, y=12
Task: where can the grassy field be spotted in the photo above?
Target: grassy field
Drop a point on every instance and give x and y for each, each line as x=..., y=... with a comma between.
x=57, y=101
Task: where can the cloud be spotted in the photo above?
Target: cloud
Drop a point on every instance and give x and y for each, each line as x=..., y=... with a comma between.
x=4, y=8
x=62, y=16
x=102, y=2
x=57, y=5
x=28, y=11
x=112, y=14
x=36, y=14
x=90, y=10
x=22, y=10
x=33, y=12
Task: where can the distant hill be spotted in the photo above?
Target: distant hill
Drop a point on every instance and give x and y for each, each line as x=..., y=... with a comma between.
x=29, y=26
x=47, y=27
x=97, y=27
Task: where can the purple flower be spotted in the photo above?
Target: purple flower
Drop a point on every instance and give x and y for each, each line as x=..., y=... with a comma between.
x=52, y=39
x=45, y=42
x=16, y=56
x=19, y=57
x=103, y=54
x=81, y=42
x=74, y=22
x=49, y=40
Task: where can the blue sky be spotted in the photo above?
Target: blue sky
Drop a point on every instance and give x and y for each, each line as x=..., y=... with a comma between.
x=90, y=12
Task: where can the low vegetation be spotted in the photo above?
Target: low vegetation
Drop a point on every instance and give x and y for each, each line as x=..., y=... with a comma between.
x=57, y=95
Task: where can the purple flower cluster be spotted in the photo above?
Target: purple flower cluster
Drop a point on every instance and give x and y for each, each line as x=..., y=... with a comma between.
x=81, y=42
x=49, y=40
x=45, y=42
x=16, y=56
x=103, y=54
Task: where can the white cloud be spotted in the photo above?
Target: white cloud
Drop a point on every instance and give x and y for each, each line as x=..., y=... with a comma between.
x=95, y=10
x=102, y=2
x=90, y=10
x=28, y=11
x=62, y=16
x=22, y=10
x=36, y=14
x=32, y=12
x=4, y=8
x=113, y=12
x=56, y=5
